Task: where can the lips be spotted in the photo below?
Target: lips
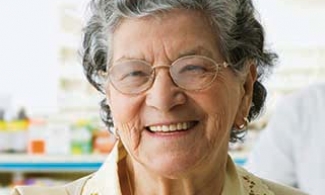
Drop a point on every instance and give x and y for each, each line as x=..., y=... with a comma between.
x=180, y=126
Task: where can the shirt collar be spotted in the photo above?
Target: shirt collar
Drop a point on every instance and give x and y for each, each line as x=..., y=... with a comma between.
x=106, y=179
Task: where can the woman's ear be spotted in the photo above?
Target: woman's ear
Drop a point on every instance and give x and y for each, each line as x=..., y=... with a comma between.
x=248, y=89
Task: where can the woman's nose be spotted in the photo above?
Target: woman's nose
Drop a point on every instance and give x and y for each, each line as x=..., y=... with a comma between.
x=164, y=93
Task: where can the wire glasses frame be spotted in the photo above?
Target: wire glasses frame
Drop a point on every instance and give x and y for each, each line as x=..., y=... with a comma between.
x=191, y=73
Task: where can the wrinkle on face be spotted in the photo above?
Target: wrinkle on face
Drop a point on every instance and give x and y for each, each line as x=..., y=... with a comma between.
x=161, y=44
x=132, y=133
x=214, y=107
x=131, y=127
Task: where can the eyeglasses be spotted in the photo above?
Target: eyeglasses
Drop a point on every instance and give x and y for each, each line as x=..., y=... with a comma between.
x=190, y=73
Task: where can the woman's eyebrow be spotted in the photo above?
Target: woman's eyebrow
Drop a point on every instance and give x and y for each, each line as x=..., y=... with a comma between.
x=127, y=58
x=199, y=50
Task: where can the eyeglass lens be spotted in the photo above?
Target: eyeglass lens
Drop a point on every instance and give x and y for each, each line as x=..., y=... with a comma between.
x=190, y=73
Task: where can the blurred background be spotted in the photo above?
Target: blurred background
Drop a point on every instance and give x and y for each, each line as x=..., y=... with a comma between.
x=50, y=130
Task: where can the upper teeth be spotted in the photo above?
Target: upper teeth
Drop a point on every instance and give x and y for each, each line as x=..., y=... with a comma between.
x=171, y=127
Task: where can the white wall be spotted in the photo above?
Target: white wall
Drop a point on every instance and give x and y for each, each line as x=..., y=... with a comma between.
x=292, y=23
x=295, y=29
x=29, y=53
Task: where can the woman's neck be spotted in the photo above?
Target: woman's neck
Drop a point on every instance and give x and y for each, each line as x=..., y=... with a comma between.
x=208, y=180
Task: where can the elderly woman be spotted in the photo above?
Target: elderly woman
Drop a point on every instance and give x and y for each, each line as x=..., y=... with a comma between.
x=182, y=78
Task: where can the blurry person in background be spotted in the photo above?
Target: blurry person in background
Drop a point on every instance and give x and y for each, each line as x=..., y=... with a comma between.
x=291, y=150
x=181, y=79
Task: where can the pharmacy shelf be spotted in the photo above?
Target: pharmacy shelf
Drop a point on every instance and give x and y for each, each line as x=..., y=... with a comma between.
x=53, y=163
x=58, y=163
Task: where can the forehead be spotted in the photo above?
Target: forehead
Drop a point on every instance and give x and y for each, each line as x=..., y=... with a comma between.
x=167, y=35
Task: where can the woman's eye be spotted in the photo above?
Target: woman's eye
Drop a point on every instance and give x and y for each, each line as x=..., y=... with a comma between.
x=135, y=75
x=194, y=69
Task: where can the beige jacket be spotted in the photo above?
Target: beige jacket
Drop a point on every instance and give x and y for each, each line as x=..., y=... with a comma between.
x=106, y=182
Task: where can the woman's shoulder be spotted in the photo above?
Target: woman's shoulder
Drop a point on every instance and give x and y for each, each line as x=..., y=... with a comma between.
x=255, y=185
x=74, y=188
x=39, y=190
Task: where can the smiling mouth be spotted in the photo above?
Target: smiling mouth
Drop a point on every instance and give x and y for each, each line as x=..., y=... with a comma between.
x=183, y=126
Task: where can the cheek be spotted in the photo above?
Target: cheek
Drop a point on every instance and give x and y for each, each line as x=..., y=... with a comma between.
x=126, y=111
x=124, y=108
x=220, y=105
x=217, y=121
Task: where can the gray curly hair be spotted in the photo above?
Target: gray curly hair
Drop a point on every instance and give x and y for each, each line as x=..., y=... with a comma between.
x=240, y=35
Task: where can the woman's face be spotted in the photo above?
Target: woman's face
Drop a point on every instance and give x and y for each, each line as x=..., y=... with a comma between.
x=160, y=41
